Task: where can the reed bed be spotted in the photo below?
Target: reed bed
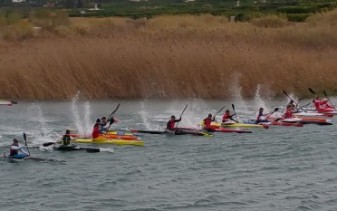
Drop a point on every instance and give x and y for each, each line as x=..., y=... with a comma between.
x=171, y=57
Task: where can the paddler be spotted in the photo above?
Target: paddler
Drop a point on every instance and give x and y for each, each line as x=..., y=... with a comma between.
x=17, y=151
x=96, y=129
x=322, y=105
x=228, y=117
x=261, y=117
x=207, y=121
x=292, y=105
x=106, y=124
x=66, y=138
x=288, y=112
x=171, y=123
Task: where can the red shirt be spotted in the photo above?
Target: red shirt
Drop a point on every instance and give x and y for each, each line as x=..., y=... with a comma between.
x=207, y=122
x=95, y=131
x=226, y=117
x=288, y=114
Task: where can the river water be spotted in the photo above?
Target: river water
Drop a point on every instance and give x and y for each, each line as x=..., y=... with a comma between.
x=281, y=168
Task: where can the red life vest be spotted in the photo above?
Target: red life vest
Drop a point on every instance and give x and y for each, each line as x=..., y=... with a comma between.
x=207, y=122
x=226, y=117
x=288, y=114
x=95, y=131
x=170, y=125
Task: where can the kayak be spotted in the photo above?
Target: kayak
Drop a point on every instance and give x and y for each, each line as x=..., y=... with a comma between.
x=311, y=114
x=108, y=141
x=309, y=120
x=178, y=131
x=218, y=129
x=247, y=125
x=111, y=135
x=74, y=147
x=15, y=160
x=287, y=124
x=278, y=123
x=226, y=130
x=7, y=102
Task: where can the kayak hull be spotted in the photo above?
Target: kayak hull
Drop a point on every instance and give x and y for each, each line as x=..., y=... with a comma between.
x=238, y=125
x=109, y=141
x=177, y=131
x=111, y=135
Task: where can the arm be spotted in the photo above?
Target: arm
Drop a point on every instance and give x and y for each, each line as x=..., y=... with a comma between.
x=178, y=120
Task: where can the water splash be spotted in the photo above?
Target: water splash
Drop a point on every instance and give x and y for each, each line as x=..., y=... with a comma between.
x=83, y=125
x=111, y=150
x=41, y=133
x=76, y=116
x=258, y=100
x=143, y=116
x=87, y=115
x=235, y=88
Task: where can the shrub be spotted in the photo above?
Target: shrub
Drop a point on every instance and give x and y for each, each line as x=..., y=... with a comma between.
x=271, y=21
x=49, y=19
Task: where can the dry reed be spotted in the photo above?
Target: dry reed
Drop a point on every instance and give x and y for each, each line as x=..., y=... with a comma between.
x=171, y=57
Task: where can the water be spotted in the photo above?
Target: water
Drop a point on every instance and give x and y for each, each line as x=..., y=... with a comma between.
x=282, y=168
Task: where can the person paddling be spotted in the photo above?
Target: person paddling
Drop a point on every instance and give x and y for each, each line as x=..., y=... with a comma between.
x=66, y=138
x=288, y=112
x=170, y=126
x=207, y=122
x=106, y=124
x=17, y=151
x=96, y=129
x=228, y=117
x=260, y=117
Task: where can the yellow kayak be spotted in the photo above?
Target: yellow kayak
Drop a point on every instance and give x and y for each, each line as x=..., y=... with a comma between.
x=109, y=141
x=219, y=124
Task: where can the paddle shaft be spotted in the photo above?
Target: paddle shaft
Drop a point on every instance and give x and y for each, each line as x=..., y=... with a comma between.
x=236, y=117
x=25, y=138
x=114, y=111
x=218, y=111
x=182, y=113
x=328, y=99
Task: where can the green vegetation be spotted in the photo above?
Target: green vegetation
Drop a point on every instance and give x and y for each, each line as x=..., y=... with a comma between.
x=293, y=10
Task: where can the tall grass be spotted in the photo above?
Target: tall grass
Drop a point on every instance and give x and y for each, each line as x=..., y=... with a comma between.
x=170, y=56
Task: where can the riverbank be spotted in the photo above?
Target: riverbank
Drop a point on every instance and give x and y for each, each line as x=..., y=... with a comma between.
x=171, y=57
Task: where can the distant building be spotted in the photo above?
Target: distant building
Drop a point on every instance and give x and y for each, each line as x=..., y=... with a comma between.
x=18, y=1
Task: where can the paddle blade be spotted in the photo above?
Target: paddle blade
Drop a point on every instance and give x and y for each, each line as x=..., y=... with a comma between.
x=47, y=144
x=92, y=150
x=312, y=91
x=233, y=106
x=24, y=136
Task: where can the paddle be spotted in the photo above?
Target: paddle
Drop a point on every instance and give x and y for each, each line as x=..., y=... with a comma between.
x=328, y=98
x=25, y=138
x=236, y=117
x=303, y=107
x=182, y=113
x=312, y=91
x=286, y=94
x=268, y=115
x=114, y=111
x=218, y=111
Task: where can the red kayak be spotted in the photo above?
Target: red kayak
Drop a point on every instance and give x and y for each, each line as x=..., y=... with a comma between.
x=226, y=130
x=281, y=123
x=218, y=129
